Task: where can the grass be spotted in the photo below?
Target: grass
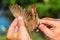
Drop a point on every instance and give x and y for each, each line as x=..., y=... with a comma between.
x=3, y=37
x=38, y=36
x=34, y=36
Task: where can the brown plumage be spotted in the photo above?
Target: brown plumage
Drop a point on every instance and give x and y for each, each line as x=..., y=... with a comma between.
x=30, y=16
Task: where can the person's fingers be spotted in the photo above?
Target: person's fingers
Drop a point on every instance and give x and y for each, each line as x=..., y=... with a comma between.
x=16, y=29
x=37, y=30
x=20, y=21
x=13, y=25
x=54, y=19
x=15, y=33
x=45, y=30
x=48, y=18
x=49, y=22
x=11, y=29
x=23, y=33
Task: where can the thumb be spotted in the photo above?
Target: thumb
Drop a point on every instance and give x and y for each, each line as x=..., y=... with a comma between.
x=23, y=33
x=45, y=30
x=20, y=21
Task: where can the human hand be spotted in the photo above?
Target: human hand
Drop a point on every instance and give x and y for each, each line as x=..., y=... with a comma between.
x=17, y=30
x=54, y=31
x=12, y=31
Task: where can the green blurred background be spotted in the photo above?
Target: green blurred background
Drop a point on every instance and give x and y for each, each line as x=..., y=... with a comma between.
x=45, y=8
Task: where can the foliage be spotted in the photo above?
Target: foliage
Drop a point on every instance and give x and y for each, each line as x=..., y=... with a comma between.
x=45, y=8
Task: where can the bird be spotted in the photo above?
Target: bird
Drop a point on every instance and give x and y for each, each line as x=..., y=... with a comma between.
x=30, y=15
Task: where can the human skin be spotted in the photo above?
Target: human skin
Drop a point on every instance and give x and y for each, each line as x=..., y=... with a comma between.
x=19, y=32
x=54, y=32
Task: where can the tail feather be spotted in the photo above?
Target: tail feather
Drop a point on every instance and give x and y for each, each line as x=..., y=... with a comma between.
x=16, y=10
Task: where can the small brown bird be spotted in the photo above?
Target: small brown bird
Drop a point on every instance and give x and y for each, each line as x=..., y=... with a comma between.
x=29, y=15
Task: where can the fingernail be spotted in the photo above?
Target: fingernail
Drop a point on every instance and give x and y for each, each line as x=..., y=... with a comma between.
x=20, y=18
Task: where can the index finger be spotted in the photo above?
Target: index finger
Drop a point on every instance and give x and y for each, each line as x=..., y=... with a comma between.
x=13, y=25
x=49, y=22
x=54, y=19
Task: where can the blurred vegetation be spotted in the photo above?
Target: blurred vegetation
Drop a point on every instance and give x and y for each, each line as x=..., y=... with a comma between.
x=45, y=8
